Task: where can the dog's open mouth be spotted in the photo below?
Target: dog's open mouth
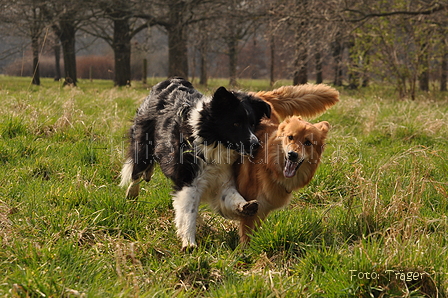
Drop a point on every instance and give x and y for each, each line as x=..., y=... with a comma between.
x=291, y=167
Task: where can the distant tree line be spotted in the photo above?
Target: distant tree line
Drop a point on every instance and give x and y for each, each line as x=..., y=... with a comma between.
x=401, y=41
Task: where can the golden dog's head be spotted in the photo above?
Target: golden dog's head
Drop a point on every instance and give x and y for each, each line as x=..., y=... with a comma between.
x=301, y=142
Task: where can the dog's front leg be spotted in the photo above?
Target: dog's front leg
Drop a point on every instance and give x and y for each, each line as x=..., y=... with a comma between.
x=234, y=206
x=247, y=226
x=186, y=206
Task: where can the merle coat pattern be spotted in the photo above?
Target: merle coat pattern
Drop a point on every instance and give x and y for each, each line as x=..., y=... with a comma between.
x=195, y=139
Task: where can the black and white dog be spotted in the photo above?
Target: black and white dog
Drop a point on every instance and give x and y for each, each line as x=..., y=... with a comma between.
x=195, y=139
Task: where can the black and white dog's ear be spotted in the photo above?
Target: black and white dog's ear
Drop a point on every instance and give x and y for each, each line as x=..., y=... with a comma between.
x=221, y=92
x=224, y=99
x=261, y=107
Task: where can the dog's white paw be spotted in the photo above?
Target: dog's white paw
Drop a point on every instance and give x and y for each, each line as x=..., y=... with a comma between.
x=248, y=209
x=189, y=248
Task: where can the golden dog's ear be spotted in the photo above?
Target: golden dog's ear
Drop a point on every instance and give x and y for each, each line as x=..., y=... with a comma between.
x=281, y=127
x=323, y=126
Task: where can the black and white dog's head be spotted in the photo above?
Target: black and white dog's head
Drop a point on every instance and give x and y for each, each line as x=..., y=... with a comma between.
x=230, y=119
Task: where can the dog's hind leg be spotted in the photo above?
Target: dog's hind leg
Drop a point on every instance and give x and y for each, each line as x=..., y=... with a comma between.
x=186, y=206
x=147, y=174
x=134, y=188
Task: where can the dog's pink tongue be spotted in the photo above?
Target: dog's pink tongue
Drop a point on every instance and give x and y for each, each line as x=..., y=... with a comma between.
x=290, y=168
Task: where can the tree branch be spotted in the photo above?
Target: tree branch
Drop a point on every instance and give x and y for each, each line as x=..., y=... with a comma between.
x=436, y=8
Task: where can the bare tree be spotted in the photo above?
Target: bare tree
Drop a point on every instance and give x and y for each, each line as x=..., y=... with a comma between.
x=36, y=30
x=399, y=37
x=66, y=17
x=57, y=58
x=117, y=22
x=304, y=27
x=401, y=40
x=201, y=41
x=26, y=18
x=176, y=16
x=301, y=25
x=239, y=21
x=177, y=38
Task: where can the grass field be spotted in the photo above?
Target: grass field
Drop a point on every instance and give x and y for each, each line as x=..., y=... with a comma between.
x=372, y=223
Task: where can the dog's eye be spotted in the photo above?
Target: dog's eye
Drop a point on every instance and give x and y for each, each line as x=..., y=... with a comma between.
x=236, y=124
x=291, y=138
x=307, y=143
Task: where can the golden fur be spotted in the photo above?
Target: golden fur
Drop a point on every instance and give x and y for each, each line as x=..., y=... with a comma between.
x=290, y=153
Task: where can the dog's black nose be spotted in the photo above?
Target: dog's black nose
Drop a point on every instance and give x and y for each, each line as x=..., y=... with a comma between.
x=254, y=143
x=293, y=156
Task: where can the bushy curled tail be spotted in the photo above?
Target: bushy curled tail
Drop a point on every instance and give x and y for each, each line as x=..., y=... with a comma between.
x=302, y=100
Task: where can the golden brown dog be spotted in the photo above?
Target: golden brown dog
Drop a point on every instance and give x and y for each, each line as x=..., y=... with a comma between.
x=290, y=153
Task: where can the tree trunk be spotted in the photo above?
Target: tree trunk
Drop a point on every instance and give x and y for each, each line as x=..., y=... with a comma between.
x=424, y=80
x=145, y=71
x=272, y=66
x=121, y=46
x=177, y=41
x=337, y=60
x=423, y=77
x=444, y=74
x=301, y=74
x=35, y=33
x=366, y=63
x=203, y=51
x=353, y=72
x=412, y=86
x=35, y=49
x=233, y=60
x=67, y=37
x=203, y=79
x=318, y=58
x=232, y=39
x=177, y=53
x=57, y=58
x=301, y=60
